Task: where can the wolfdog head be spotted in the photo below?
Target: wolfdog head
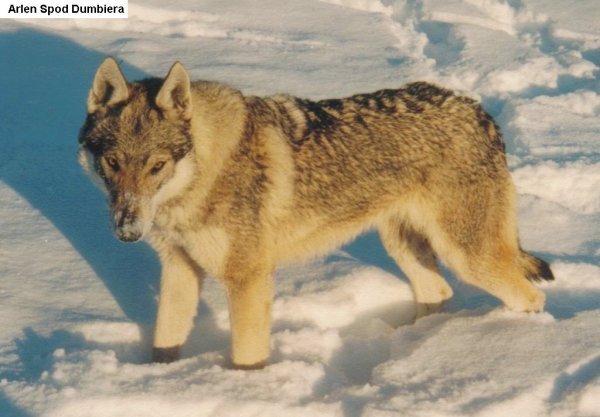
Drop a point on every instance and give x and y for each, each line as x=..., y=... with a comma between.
x=136, y=144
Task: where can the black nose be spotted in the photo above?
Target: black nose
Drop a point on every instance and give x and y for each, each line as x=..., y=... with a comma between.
x=128, y=236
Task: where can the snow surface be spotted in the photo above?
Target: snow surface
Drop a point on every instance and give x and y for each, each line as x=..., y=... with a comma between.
x=77, y=307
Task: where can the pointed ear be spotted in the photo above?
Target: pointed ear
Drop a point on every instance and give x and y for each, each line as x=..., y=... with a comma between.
x=174, y=97
x=109, y=87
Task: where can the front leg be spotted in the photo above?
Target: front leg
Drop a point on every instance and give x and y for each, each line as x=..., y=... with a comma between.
x=180, y=284
x=250, y=295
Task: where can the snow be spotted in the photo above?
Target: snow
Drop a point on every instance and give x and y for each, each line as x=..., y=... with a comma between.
x=77, y=306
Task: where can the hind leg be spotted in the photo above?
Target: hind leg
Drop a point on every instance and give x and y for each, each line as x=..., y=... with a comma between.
x=414, y=255
x=498, y=272
x=480, y=243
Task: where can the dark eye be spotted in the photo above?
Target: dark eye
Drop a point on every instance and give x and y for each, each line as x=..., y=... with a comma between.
x=157, y=167
x=112, y=163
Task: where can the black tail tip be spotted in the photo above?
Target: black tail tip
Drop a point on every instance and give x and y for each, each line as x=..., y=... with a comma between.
x=543, y=272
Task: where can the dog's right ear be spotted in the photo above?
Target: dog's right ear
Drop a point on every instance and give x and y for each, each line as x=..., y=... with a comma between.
x=109, y=87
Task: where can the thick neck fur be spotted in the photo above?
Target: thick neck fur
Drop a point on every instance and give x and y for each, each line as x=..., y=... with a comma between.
x=218, y=123
x=215, y=137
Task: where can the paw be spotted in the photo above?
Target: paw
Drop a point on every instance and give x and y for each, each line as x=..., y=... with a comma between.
x=165, y=355
x=432, y=302
x=425, y=309
x=532, y=302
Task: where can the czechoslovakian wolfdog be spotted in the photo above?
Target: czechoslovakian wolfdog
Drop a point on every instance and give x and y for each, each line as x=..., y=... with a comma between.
x=232, y=185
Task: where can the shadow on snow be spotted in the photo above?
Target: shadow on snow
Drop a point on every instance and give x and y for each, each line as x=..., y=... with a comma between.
x=46, y=84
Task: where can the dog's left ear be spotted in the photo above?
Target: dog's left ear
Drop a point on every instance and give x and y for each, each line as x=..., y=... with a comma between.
x=174, y=97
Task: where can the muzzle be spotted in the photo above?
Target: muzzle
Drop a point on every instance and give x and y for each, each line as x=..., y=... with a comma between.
x=127, y=226
x=127, y=220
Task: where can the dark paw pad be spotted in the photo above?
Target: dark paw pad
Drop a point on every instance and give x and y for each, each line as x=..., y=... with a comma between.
x=165, y=355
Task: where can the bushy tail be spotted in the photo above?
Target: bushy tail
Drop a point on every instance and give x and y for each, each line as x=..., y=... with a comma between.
x=535, y=268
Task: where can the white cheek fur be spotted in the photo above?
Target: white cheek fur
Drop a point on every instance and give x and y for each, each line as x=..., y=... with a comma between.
x=184, y=173
x=86, y=160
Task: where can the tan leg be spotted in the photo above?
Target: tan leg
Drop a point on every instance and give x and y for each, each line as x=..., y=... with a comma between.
x=499, y=273
x=179, y=295
x=479, y=242
x=414, y=255
x=250, y=299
